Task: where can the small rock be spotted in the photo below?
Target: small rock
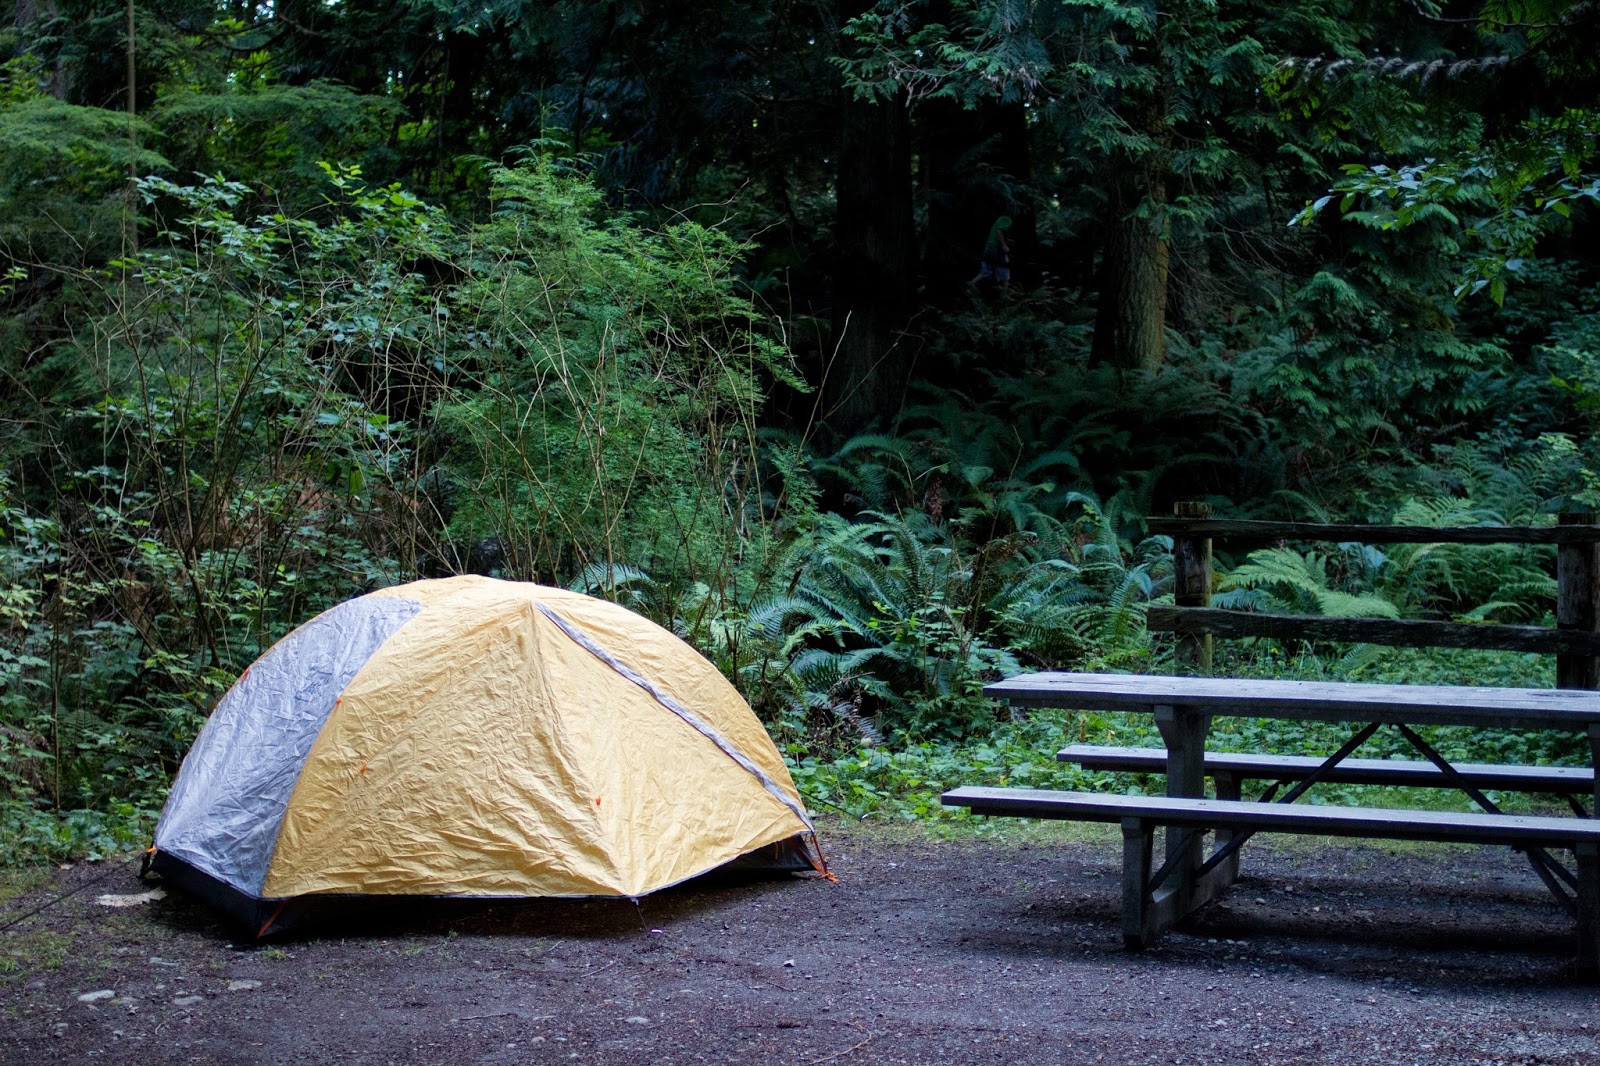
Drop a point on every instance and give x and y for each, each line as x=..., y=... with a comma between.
x=242, y=986
x=95, y=997
x=135, y=900
x=637, y=1019
x=157, y=960
x=187, y=1001
x=788, y=962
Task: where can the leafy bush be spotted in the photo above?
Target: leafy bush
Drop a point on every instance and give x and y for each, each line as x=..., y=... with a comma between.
x=605, y=384
x=273, y=413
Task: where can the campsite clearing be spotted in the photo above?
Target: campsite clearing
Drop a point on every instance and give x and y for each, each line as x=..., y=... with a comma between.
x=995, y=947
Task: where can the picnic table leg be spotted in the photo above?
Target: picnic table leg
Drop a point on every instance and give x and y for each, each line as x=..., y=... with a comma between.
x=1227, y=786
x=1594, y=761
x=1588, y=911
x=1588, y=856
x=1137, y=930
x=1184, y=732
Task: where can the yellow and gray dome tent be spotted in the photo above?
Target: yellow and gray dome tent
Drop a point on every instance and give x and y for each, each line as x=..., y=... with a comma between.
x=480, y=738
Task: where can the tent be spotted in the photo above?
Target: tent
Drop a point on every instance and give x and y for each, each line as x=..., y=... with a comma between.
x=474, y=737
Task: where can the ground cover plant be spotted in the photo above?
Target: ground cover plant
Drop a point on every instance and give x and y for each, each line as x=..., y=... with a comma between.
x=854, y=344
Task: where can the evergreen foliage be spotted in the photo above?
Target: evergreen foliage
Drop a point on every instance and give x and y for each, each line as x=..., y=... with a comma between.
x=703, y=307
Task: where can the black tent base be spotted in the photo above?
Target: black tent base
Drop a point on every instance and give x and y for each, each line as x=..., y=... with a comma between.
x=794, y=855
x=255, y=918
x=252, y=914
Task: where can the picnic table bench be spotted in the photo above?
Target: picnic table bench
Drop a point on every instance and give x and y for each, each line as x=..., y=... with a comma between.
x=1229, y=769
x=1183, y=708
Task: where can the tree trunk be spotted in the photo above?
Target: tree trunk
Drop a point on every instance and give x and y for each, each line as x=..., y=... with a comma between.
x=58, y=82
x=864, y=374
x=1131, y=320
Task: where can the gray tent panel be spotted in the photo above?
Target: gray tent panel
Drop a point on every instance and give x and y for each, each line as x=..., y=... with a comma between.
x=224, y=812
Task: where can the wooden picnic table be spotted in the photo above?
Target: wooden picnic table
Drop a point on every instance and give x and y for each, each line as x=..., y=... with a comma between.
x=1183, y=709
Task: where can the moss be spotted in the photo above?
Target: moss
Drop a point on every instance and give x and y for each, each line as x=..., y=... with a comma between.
x=16, y=883
x=27, y=951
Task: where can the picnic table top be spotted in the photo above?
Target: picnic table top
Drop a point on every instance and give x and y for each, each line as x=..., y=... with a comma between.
x=1511, y=708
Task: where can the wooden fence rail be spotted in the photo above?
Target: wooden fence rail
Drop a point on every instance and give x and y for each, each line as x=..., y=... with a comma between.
x=1245, y=531
x=1575, y=641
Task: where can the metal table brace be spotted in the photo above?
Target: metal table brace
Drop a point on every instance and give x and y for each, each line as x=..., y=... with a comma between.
x=1551, y=872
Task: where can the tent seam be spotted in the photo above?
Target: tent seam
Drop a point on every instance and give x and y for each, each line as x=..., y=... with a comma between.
x=698, y=724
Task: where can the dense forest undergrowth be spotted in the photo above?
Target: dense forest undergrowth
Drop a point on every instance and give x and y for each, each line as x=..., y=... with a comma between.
x=854, y=343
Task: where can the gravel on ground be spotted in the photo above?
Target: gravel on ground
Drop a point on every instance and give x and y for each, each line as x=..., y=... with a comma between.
x=1000, y=947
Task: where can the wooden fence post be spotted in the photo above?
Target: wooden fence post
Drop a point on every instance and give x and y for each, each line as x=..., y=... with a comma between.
x=1578, y=604
x=1191, y=584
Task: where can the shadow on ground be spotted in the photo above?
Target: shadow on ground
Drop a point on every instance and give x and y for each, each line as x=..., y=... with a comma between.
x=970, y=951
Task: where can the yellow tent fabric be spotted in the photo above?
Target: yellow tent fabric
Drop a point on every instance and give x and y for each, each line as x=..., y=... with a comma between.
x=498, y=739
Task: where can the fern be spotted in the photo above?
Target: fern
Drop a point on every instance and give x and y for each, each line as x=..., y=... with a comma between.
x=1298, y=584
x=1485, y=482
x=627, y=585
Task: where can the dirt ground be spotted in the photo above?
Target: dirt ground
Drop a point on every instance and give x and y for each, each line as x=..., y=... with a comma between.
x=972, y=950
